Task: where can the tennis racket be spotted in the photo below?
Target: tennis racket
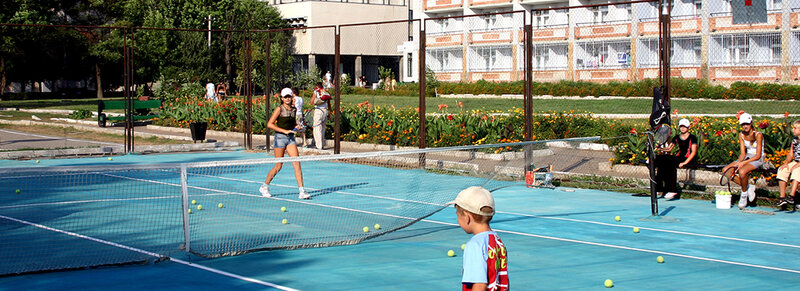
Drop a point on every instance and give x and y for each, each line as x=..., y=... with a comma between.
x=308, y=121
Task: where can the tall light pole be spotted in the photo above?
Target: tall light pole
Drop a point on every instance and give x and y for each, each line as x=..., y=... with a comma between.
x=209, y=19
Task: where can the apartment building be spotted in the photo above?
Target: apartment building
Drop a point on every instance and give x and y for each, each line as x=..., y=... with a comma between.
x=363, y=48
x=609, y=43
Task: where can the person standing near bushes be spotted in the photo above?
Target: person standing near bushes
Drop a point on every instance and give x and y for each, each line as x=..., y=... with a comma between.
x=667, y=165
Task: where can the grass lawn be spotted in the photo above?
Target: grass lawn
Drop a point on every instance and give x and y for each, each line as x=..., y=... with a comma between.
x=613, y=106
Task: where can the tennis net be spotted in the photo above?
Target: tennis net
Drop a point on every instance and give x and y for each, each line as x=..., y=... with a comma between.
x=75, y=217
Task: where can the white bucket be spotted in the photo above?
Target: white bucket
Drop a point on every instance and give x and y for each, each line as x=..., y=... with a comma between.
x=723, y=201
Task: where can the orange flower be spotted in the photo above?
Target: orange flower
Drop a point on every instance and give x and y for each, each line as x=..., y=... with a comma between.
x=460, y=104
x=786, y=114
x=389, y=123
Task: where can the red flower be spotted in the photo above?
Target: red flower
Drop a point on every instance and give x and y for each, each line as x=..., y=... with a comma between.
x=786, y=114
x=460, y=104
x=719, y=133
x=389, y=123
x=633, y=131
x=450, y=117
x=764, y=124
x=739, y=113
x=484, y=117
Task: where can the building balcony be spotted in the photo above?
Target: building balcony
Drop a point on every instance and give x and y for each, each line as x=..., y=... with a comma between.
x=794, y=20
x=723, y=22
x=449, y=77
x=494, y=76
x=547, y=76
x=603, y=75
x=678, y=26
x=537, y=2
x=551, y=33
x=490, y=3
x=491, y=37
x=683, y=72
x=443, y=5
x=451, y=39
x=745, y=73
x=603, y=30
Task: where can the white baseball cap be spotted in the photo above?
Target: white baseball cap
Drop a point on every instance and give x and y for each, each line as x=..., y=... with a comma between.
x=286, y=91
x=745, y=118
x=684, y=122
x=473, y=199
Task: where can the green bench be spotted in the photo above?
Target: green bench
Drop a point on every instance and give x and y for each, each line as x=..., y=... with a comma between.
x=141, y=110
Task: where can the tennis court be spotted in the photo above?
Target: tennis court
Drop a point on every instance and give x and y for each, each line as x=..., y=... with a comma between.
x=562, y=238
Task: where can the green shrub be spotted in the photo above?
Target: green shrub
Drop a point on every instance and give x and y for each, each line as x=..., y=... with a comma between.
x=80, y=114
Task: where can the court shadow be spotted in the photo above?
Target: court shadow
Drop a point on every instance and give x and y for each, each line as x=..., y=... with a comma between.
x=667, y=211
x=409, y=233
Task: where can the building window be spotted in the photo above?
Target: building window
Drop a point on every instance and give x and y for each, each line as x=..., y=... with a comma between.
x=444, y=60
x=410, y=68
x=542, y=17
x=685, y=52
x=698, y=6
x=549, y=57
x=490, y=58
x=774, y=4
x=599, y=13
x=746, y=50
x=603, y=54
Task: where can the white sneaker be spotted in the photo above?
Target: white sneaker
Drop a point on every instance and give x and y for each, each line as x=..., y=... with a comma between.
x=743, y=200
x=264, y=189
x=751, y=192
x=304, y=195
x=670, y=195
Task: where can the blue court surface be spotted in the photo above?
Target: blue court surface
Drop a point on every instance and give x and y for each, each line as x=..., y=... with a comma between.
x=558, y=239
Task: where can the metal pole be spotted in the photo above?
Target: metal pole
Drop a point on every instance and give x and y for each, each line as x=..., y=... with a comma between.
x=248, y=127
x=529, y=166
x=337, y=131
x=268, y=86
x=209, y=30
x=421, y=67
x=126, y=91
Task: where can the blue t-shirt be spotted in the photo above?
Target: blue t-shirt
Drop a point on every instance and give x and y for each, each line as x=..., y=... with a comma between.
x=485, y=261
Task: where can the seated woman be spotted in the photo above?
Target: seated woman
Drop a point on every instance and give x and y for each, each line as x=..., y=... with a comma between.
x=751, y=157
x=222, y=92
x=666, y=164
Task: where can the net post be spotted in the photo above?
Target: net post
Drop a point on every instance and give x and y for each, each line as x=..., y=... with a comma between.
x=652, y=168
x=529, y=167
x=422, y=88
x=185, y=207
x=248, y=127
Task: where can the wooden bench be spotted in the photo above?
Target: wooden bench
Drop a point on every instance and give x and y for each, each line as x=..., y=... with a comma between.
x=141, y=110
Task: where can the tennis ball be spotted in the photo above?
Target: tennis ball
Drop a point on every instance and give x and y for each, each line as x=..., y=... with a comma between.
x=463, y=246
x=283, y=209
x=18, y=191
x=220, y=205
x=285, y=221
x=194, y=201
x=37, y=161
x=609, y=283
x=109, y=158
x=660, y=259
x=635, y=230
x=190, y=211
x=377, y=226
x=451, y=253
x=366, y=229
x=199, y=207
x=617, y=218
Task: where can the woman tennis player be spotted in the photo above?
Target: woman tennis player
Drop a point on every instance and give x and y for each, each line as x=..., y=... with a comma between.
x=751, y=157
x=284, y=122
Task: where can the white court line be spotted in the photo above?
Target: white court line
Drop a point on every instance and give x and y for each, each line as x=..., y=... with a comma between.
x=511, y=232
x=220, y=272
x=629, y=248
x=57, y=138
x=544, y=217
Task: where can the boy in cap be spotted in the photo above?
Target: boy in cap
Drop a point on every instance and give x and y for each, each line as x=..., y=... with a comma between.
x=485, y=262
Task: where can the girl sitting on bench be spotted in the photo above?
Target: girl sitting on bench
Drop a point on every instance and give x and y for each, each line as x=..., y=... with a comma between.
x=751, y=157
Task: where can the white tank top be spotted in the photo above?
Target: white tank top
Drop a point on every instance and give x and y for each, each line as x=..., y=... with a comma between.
x=751, y=149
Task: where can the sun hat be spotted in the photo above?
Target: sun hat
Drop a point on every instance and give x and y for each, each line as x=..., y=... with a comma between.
x=684, y=122
x=473, y=199
x=745, y=118
x=287, y=91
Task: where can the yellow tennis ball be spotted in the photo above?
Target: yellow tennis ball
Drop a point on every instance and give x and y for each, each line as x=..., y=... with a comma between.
x=194, y=201
x=190, y=211
x=463, y=246
x=366, y=229
x=220, y=205
x=377, y=226
x=37, y=161
x=451, y=253
x=285, y=221
x=109, y=158
x=635, y=230
x=18, y=191
x=283, y=209
x=660, y=259
x=199, y=207
x=609, y=283
x=617, y=218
